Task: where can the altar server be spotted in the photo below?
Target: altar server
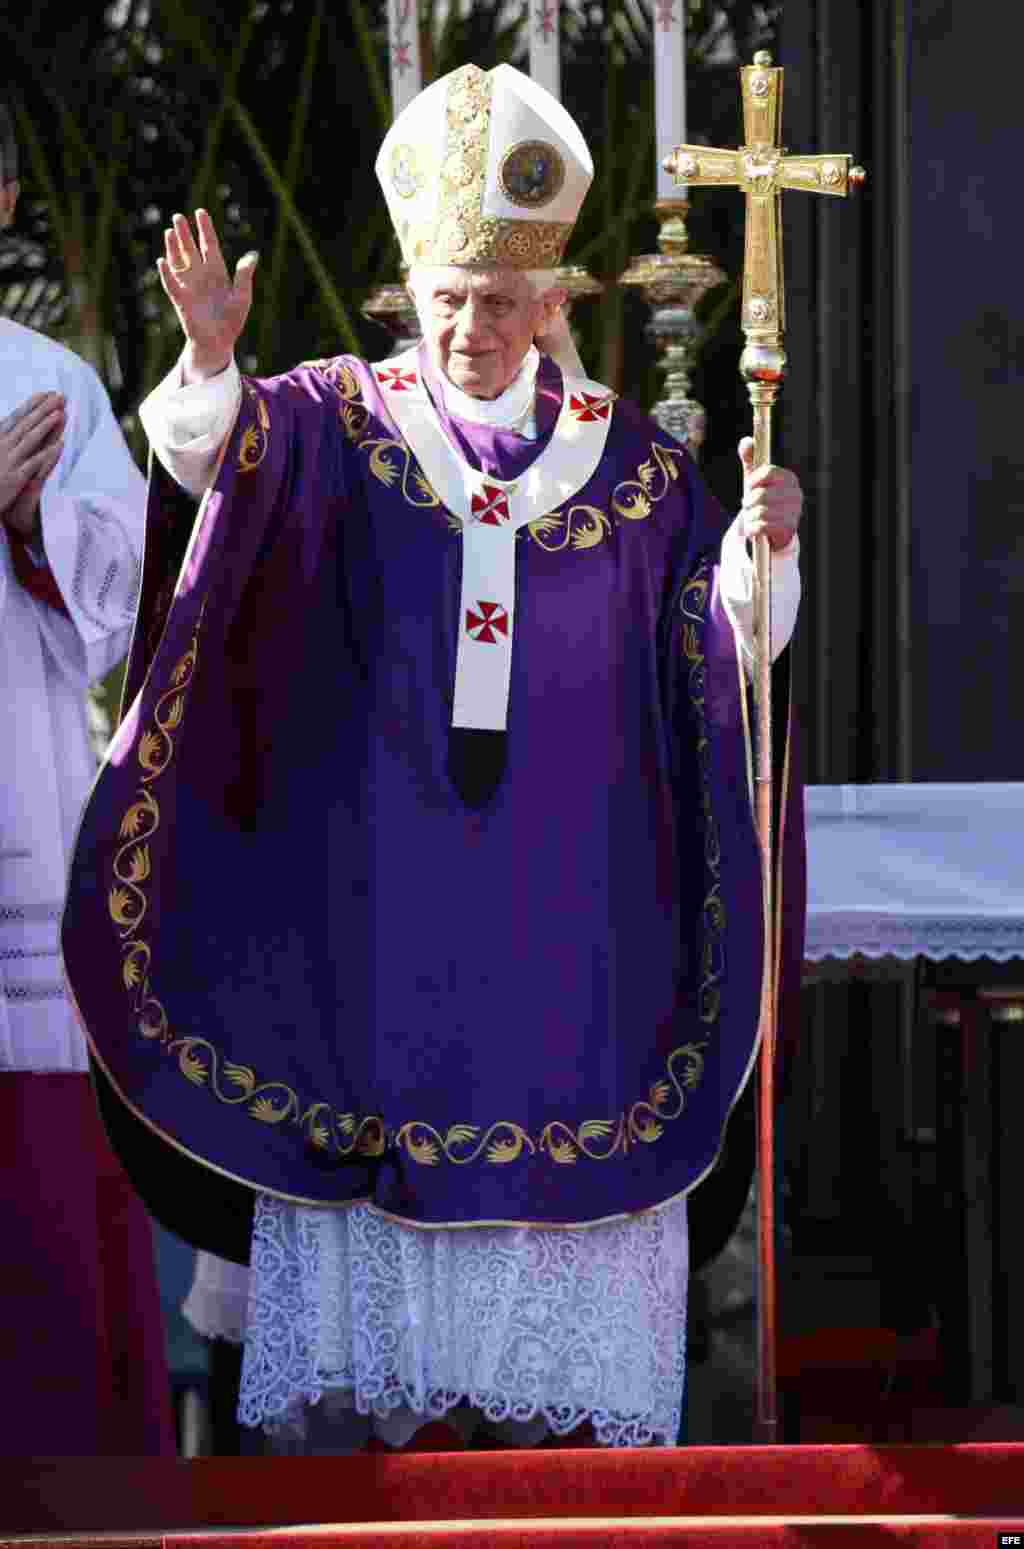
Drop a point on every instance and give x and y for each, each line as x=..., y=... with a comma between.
x=81, y=1343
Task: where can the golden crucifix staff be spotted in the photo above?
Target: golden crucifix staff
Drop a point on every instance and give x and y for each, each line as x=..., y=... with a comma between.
x=761, y=170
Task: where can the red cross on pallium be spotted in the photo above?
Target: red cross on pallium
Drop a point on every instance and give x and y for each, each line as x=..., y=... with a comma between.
x=395, y=379
x=590, y=406
x=490, y=506
x=482, y=626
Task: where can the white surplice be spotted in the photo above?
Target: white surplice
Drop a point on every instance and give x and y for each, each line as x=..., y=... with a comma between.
x=93, y=518
x=384, y=1325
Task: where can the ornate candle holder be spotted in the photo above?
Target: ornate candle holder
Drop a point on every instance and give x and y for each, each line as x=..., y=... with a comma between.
x=579, y=282
x=673, y=281
x=392, y=307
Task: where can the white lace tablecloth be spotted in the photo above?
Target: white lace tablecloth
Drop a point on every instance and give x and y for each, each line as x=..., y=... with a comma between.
x=915, y=870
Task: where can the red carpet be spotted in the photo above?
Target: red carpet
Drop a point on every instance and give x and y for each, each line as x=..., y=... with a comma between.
x=842, y=1496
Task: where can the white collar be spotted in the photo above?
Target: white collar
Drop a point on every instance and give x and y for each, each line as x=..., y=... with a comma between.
x=510, y=410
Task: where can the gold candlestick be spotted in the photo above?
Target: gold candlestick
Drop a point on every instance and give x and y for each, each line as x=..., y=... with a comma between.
x=673, y=280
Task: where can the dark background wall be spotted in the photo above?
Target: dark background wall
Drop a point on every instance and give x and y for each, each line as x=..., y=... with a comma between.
x=903, y=406
x=903, y=418
x=966, y=311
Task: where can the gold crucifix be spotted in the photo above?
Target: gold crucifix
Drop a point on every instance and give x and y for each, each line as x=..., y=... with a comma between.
x=761, y=170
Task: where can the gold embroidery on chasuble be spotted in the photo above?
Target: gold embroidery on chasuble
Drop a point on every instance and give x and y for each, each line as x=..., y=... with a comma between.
x=268, y=1101
x=632, y=500
x=256, y=436
x=694, y=605
x=391, y=461
x=201, y=1062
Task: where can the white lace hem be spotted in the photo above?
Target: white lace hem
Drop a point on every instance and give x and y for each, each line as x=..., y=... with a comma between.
x=527, y=1327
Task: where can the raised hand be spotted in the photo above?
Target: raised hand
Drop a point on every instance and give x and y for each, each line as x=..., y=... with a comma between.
x=211, y=307
x=31, y=439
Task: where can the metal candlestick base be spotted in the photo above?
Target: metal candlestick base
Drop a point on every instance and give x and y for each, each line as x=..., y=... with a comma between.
x=392, y=307
x=673, y=281
x=578, y=282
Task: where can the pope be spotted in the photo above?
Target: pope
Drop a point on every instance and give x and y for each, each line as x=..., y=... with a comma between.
x=415, y=919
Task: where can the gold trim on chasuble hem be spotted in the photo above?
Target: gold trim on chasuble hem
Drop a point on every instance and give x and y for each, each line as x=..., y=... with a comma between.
x=274, y=1102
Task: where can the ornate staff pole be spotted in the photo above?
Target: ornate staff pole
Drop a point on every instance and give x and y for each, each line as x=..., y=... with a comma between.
x=761, y=170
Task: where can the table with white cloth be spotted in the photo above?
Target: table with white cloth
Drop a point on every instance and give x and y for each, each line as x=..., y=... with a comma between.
x=934, y=874
x=932, y=871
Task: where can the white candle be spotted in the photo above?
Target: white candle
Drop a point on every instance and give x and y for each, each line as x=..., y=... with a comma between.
x=669, y=88
x=404, y=49
x=545, y=66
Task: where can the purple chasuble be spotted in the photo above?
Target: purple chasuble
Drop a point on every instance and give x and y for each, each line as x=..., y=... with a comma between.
x=300, y=958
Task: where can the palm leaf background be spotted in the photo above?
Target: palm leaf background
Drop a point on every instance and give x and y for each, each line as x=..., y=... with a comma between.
x=270, y=114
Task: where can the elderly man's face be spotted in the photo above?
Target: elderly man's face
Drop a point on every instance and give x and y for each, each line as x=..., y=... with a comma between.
x=480, y=324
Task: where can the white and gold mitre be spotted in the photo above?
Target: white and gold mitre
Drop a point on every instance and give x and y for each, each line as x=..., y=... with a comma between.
x=485, y=167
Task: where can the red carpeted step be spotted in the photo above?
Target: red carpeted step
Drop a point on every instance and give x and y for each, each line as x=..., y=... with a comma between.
x=828, y=1533
x=120, y=1496
x=622, y=1534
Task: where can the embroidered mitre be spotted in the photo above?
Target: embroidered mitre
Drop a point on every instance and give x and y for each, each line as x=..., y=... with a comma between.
x=484, y=168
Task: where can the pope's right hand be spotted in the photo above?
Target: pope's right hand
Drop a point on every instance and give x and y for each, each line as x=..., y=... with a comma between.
x=211, y=307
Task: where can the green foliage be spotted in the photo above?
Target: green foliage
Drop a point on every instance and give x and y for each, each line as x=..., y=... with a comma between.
x=270, y=113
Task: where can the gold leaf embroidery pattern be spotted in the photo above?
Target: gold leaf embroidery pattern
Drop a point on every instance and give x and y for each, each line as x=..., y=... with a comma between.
x=380, y=450
x=632, y=500
x=255, y=437
x=503, y=1142
x=352, y=412
x=583, y=528
x=694, y=604
x=275, y=1102
x=199, y=1060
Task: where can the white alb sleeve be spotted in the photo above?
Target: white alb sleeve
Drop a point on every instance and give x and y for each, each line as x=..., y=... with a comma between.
x=187, y=426
x=93, y=513
x=736, y=584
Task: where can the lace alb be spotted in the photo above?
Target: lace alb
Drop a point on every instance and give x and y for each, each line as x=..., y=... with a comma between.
x=563, y=1325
